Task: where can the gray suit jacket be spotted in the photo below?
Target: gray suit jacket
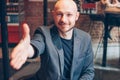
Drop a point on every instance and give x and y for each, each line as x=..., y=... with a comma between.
x=48, y=45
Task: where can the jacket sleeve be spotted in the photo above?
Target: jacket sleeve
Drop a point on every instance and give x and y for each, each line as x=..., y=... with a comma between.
x=88, y=68
x=37, y=42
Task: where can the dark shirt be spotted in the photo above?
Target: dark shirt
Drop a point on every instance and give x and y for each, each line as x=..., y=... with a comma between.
x=68, y=55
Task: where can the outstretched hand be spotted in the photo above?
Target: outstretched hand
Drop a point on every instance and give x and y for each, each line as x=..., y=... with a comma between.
x=23, y=50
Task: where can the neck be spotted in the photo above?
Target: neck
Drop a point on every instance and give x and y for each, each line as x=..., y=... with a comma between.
x=66, y=35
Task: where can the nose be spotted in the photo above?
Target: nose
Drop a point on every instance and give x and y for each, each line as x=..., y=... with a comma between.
x=63, y=18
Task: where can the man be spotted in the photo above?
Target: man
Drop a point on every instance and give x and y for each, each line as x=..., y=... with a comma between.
x=65, y=51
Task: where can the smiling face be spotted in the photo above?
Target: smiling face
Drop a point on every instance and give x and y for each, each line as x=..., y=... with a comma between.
x=65, y=15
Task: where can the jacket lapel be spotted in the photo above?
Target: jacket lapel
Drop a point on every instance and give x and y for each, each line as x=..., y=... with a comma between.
x=76, y=47
x=57, y=42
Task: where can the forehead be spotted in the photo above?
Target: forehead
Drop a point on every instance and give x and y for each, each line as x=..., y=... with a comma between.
x=65, y=5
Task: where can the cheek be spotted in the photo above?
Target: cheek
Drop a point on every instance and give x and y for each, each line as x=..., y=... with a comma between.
x=72, y=21
x=56, y=19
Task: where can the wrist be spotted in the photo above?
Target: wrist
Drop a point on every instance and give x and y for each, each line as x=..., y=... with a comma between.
x=31, y=51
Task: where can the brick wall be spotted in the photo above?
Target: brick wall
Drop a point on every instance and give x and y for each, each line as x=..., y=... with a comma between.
x=33, y=14
x=34, y=17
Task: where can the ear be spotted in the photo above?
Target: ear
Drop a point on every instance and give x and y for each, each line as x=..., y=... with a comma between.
x=77, y=15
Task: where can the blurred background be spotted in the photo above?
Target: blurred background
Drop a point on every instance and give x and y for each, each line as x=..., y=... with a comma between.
x=93, y=20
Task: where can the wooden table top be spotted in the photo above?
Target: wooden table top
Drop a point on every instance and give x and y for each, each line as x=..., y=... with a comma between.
x=112, y=10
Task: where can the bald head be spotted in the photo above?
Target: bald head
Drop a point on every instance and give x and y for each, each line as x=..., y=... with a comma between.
x=65, y=15
x=65, y=4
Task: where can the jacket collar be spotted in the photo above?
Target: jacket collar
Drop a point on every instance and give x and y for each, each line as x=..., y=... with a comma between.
x=57, y=42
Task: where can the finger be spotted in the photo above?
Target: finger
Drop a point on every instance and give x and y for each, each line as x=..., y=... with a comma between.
x=15, y=63
x=15, y=58
x=16, y=50
x=19, y=63
x=19, y=60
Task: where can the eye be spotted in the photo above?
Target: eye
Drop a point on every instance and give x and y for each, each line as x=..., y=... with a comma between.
x=69, y=15
x=58, y=14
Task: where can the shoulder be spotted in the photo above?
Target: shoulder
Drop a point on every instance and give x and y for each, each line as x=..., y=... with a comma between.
x=43, y=29
x=80, y=33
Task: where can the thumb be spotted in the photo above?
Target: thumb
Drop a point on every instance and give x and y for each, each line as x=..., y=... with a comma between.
x=25, y=31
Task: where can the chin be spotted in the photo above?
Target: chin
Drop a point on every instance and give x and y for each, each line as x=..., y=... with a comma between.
x=65, y=30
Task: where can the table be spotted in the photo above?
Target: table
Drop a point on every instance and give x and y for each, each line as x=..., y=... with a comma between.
x=112, y=18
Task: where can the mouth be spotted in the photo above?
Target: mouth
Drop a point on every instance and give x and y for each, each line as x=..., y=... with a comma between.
x=62, y=24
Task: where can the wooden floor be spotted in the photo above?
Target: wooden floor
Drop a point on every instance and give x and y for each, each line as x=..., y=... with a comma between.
x=25, y=71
